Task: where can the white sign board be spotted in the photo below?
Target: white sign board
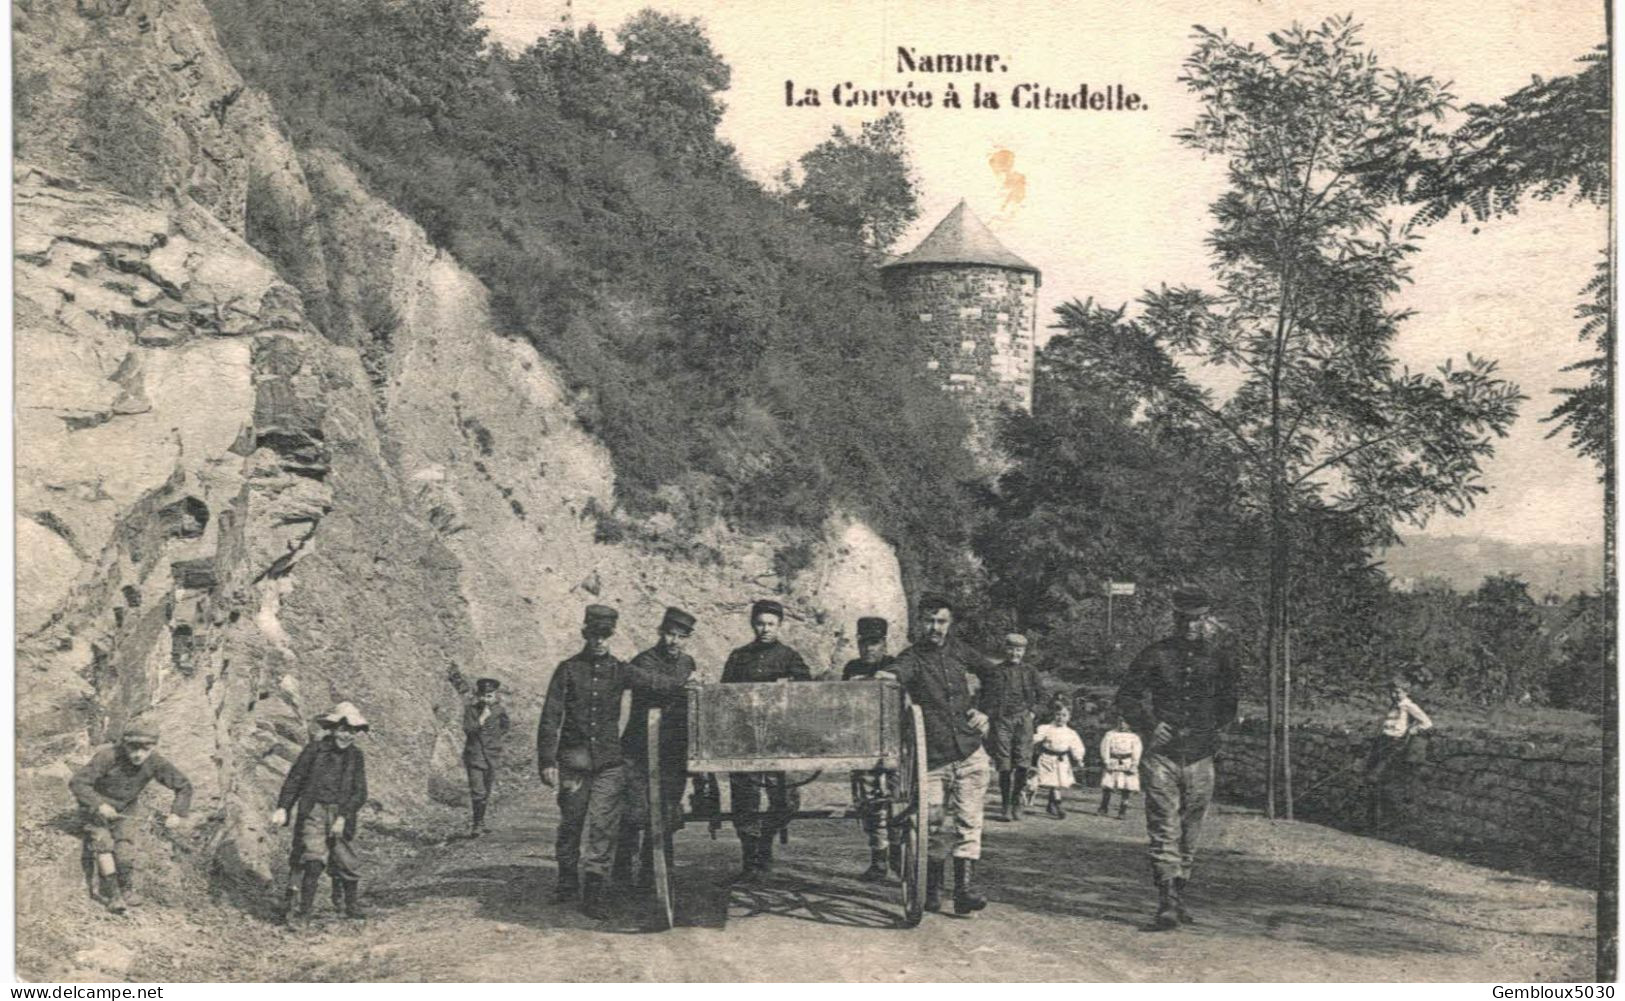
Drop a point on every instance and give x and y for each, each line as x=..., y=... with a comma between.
x=1119, y=588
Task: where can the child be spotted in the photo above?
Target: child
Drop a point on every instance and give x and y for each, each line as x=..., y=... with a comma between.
x=485, y=728
x=1120, y=751
x=328, y=783
x=1058, y=749
x=107, y=787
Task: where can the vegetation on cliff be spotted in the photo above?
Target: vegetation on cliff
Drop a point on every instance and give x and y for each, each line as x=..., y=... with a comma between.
x=734, y=351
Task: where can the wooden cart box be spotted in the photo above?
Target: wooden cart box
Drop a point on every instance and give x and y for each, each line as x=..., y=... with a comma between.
x=795, y=726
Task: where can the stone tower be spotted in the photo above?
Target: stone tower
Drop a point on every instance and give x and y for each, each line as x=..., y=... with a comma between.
x=972, y=307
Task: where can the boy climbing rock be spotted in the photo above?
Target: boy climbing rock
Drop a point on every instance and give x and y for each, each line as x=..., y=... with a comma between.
x=107, y=789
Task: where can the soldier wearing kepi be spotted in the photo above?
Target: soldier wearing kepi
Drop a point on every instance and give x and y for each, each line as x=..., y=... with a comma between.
x=871, y=789
x=107, y=788
x=485, y=730
x=934, y=673
x=660, y=674
x=1009, y=698
x=578, y=751
x=1179, y=694
x=763, y=659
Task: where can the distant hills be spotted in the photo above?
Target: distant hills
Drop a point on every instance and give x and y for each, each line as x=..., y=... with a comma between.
x=1465, y=561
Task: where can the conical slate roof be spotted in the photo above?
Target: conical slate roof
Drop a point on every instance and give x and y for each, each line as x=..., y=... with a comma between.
x=961, y=238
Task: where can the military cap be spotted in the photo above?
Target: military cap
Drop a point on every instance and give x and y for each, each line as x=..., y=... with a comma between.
x=486, y=685
x=872, y=627
x=766, y=606
x=930, y=601
x=678, y=620
x=139, y=732
x=1015, y=639
x=1400, y=682
x=601, y=617
x=1191, y=600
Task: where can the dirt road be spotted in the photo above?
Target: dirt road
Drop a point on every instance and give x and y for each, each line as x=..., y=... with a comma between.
x=1281, y=901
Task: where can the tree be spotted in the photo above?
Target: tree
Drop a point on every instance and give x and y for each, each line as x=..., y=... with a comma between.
x=1305, y=261
x=1551, y=137
x=862, y=185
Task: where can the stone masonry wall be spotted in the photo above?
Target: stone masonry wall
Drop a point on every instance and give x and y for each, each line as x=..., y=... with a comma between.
x=1524, y=805
x=975, y=327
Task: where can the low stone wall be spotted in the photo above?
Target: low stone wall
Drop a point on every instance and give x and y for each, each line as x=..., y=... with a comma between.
x=1529, y=806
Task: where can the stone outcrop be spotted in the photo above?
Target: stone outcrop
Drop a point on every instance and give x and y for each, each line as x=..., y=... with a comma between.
x=272, y=452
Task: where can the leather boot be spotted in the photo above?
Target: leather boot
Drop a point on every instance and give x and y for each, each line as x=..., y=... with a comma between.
x=1167, y=906
x=309, y=881
x=966, y=899
x=1106, y=803
x=1005, y=809
x=126, y=885
x=478, y=827
x=935, y=869
x=646, y=863
x=1018, y=782
x=620, y=871
x=1179, y=903
x=592, y=897
x=764, y=854
x=352, y=900
x=569, y=886
x=747, y=859
x=338, y=895
x=112, y=896
x=876, y=873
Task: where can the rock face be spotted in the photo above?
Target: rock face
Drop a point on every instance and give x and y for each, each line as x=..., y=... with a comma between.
x=272, y=453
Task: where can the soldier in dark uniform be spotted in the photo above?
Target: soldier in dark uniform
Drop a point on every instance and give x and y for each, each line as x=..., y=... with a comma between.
x=934, y=673
x=660, y=675
x=764, y=659
x=1009, y=698
x=871, y=789
x=578, y=751
x=485, y=730
x=1180, y=693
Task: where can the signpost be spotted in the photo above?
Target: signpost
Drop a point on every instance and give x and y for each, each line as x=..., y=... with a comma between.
x=1113, y=589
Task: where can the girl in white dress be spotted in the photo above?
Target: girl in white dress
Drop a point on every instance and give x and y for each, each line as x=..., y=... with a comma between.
x=1059, y=748
x=1120, y=752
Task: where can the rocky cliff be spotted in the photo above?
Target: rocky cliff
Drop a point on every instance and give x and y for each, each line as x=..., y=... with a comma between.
x=272, y=452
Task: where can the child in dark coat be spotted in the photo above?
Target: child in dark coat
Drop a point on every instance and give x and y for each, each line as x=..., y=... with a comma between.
x=107, y=788
x=328, y=786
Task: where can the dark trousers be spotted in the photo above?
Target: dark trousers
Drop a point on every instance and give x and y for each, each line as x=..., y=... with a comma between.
x=590, y=803
x=746, y=789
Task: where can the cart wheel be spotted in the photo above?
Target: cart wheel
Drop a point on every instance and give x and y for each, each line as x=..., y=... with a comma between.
x=911, y=791
x=657, y=828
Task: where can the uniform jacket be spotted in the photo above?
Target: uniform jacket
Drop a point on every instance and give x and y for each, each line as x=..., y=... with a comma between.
x=1188, y=684
x=765, y=662
x=1008, y=689
x=325, y=774
x=483, y=740
x=110, y=778
x=934, y=677
x=657, y=683
x=857, y=670
x=581, y=718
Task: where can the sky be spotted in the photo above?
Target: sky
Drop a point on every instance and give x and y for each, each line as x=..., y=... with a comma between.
x=1110, y=204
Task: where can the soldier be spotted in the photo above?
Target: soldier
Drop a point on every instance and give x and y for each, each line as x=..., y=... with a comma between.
x=934, y=673
x=764, y=659
x=485, y=730
x=1179, y=693
x=578, y=751
x=1009, y=698
x=661, y=672
x=107, y=788
x=870, y=789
